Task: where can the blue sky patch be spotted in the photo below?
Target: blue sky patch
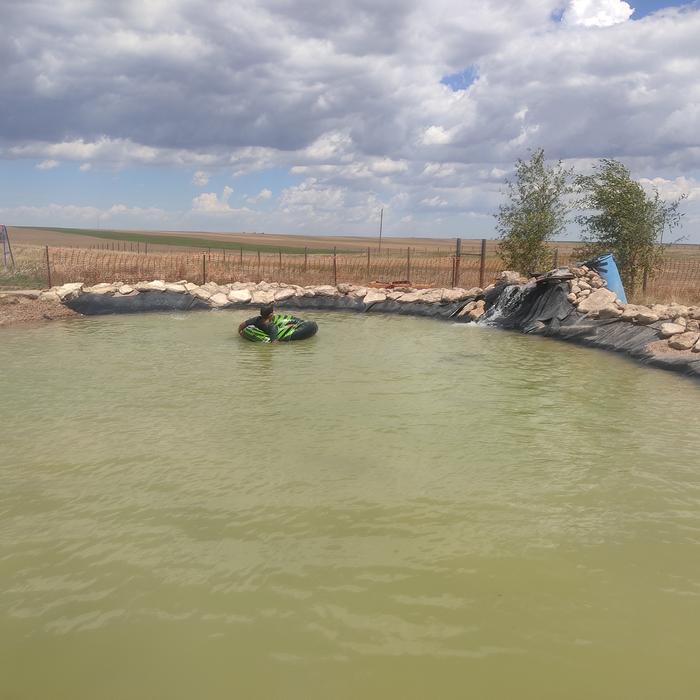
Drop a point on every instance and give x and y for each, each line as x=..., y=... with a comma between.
x=461, y=80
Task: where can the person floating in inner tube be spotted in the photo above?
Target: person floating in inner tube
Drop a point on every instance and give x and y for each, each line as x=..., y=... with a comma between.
x=262, y=322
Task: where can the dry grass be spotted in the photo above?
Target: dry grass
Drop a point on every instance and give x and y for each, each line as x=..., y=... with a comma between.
x=678, y=278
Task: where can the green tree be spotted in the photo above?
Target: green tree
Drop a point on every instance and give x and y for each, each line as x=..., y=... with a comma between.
x=622, y=219
x=535, y=212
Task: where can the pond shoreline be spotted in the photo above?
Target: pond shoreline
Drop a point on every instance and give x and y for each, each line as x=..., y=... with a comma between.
x=570, y=305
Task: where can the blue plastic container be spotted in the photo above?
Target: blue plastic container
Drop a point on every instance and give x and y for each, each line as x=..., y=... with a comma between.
x=606, y=267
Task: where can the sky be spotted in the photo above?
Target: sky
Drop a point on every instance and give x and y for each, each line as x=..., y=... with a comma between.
x=309, y=116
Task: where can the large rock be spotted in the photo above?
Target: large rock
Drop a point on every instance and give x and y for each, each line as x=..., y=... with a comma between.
x=325, y=290
x=394, y=295
x=374, y=295
x=219, y=299
x=262, y=297
x=509, y=277
x=469, y=306
x=69, y=291
x=684, y=341
x=432, y=296
x=478, y=311
x=240, y=296
x=646, y=317
x=49, y=296
x=200, y=293
x=451, y=295
x=175, y=287
x=101, y=288
x=596, y=301
x=156, y=286
x=359, y=293
x=669, y=329
x=410, y=297
x=282, y=294
x=609, y=311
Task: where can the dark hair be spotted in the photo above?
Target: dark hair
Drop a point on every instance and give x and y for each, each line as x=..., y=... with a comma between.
x=266, y=310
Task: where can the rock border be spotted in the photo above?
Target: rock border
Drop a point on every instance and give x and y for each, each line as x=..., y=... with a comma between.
x=570, y=303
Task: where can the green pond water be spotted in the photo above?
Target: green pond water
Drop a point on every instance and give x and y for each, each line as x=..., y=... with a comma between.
x=396, y=508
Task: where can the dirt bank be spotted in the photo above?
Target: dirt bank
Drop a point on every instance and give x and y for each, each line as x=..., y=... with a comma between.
x=14, y=310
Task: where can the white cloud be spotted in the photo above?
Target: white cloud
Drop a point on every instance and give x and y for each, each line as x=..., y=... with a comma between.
x=436, y=135
x=48, y=165
x=84, y=167
x=596, y=13
x=200, y=178
x=211, y=203
x=76, y=215
x=347, y=98
x=673, y=189
x=262, y=196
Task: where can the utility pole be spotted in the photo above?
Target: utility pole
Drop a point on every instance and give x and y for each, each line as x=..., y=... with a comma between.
x=381, y=222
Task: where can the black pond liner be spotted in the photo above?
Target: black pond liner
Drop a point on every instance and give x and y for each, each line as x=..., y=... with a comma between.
x=541, y=309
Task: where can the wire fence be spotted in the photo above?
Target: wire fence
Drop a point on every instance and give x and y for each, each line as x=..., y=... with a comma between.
x=470, y=264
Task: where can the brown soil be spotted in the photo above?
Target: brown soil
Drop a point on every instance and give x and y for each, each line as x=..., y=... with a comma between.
x=14, y=310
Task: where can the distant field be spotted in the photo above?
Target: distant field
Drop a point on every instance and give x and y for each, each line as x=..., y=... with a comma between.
x=289, y=244
x=202, y=240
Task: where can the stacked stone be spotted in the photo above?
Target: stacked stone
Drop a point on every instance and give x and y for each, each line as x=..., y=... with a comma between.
x=585, y=282
x=589, y=295
x=237, y=293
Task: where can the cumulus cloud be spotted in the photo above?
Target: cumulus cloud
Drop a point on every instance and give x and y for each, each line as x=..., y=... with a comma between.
x=47, y=165
x=347, y=97
x=211, y=203
x=262, y=196
x=200, y=178
x=596, y=13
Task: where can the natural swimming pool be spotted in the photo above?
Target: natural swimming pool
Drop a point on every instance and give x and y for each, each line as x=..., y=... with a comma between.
x=397, y=507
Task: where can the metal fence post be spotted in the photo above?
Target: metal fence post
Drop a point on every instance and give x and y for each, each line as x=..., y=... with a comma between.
x=335, y=267
x=556, y=258
x=306, y=257
x=368, y=263
x=482, y=263
x=48, y=266
x=408, y=264
x=204, y=268
x=258, y=264
x=458, y=256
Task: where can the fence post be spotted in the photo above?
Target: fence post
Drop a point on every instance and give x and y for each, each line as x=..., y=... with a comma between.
x=48, y=266
x=644, y=280
x=241, y=260
x=335, y=268
x=368, y=263
x=258, y=264
x=556, y=258
x=408, y=264
x=458, y=256
x=482, y=263
x=306, y=258
x=204, y=268
x=280, y=261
